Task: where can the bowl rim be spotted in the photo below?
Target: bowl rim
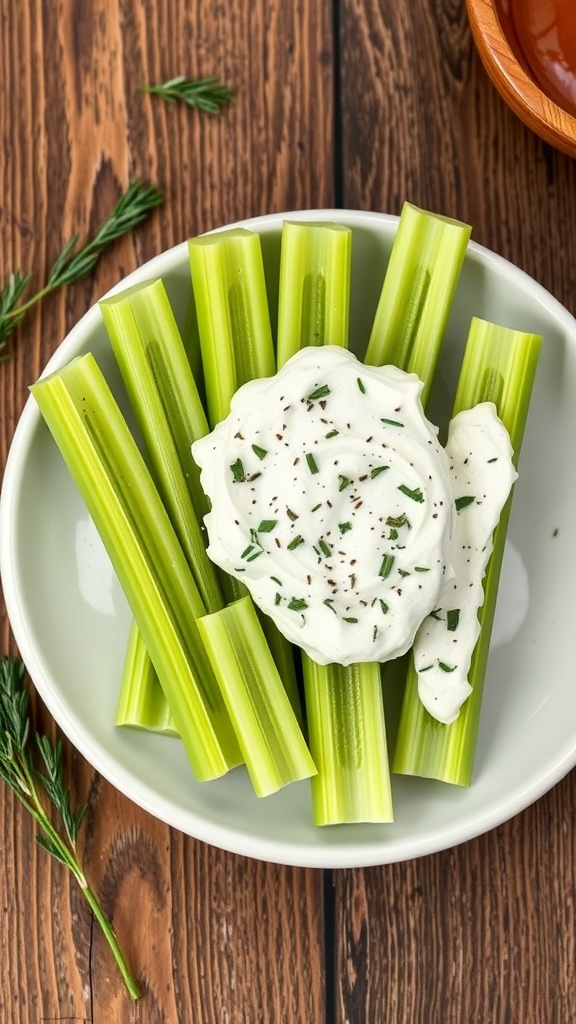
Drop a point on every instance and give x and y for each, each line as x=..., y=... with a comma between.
x=347, y=854
x=528, y=101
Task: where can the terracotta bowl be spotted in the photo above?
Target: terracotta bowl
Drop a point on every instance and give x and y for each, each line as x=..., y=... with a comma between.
x=500, y=51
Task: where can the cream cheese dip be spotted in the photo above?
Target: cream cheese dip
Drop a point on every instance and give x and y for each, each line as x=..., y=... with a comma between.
x=331, y=499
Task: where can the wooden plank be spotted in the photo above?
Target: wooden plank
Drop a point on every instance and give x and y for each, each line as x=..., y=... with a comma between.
x=485, y=931
x=215, y=938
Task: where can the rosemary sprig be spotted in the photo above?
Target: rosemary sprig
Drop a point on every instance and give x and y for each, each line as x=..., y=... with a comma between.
x=31, y=778
x=69, y=266
x=203, y=93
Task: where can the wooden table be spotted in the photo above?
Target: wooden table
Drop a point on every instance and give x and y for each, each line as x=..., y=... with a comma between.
x=338, y=103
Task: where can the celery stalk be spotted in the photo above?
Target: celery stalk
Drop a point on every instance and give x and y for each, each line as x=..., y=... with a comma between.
x=347, y=737
x=499, y=365
x=233, y=317
x=419, y=285
x=314, y=289
x=313, y=309
x=232, y=309
x=270, y=738
x=164, y=398
x=142, y=704
x=111, y=475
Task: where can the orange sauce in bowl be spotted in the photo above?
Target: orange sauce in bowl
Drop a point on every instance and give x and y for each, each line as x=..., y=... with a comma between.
x=546, y=32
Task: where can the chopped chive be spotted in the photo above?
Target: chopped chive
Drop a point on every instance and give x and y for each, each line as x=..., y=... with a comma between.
x=421, y=568
x=495, y=459
x=295, y=543
x=344, y=527
x=316, y=507
x=415, y=494
x=324, y=548
x=393, y=535
x=374, y=634
x=320, y=392
x=452, y=619
x=386, y=567
x=267, y=525
x=345, y=482
x=331, y=433
x=377, y=470
x=445, y=667
x=312, y=464
x=462, y=502
x=277, y=598
x=238, y=471
x=398, y=521
x=297, y=604
x=260, y=452
x=329, y=602
x=276, y=580
x=391, y=423
x=247, y=551
x=435, y=615
x=403, y=572
x=291, y=515
x=256, y=554
x=349, y=618
x=361, y=385
x=384, y=607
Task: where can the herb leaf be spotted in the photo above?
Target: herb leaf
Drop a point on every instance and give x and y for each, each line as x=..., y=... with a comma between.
x=203, y=93
x=464, y=501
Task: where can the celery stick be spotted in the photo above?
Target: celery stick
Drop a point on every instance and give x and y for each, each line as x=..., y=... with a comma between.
x=284, y=654
x=269, y=735
x=236, y=342
x=499, y=365
x=313, y=310
x=347, y=737
x=111, y=475
x=419, y=285
x=142, y=704
x=164, y=398
x=314, y=290
x=232, y=309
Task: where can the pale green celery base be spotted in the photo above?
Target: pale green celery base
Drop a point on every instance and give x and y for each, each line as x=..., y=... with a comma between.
x=314, y=289
x=142, y=704
x=270, y=738
x=110, y=473
x=499, y=365
x=421, y=278
x=347, y=739
x=232, y=310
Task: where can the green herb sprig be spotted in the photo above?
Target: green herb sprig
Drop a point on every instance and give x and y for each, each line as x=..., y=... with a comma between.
x=32, y=778
x=69, y=266
x=203, y=93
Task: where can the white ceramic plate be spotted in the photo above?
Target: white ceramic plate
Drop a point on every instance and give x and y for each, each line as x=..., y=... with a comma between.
x=70, y=618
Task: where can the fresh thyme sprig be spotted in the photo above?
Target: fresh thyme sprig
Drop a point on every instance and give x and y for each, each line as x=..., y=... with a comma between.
x=203, y=93
x=69, y=266
x=29, y=780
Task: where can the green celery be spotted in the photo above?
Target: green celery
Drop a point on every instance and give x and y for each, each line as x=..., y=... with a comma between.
x=232, y=310
x=419, y=285
x=313, y=309
x=142, y=704
x=499, y=365
x=111, y=475
x=314, y=289
x=270, y=738
x=235, y=337
x=164, y=399
x=347, y=737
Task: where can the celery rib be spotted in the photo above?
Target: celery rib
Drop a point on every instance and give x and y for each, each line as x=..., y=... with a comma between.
x=499, y=366
x=314, y=289
x=270, y=738
x=142, y=704
x=111, y=475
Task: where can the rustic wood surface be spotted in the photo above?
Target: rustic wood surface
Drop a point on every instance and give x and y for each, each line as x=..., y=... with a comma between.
x=356, y=103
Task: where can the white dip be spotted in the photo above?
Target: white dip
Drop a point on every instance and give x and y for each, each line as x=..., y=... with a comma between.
x=332, y=501
x=482, y=474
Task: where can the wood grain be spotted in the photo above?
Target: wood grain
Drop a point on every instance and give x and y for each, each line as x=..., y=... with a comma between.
x=213, y=937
